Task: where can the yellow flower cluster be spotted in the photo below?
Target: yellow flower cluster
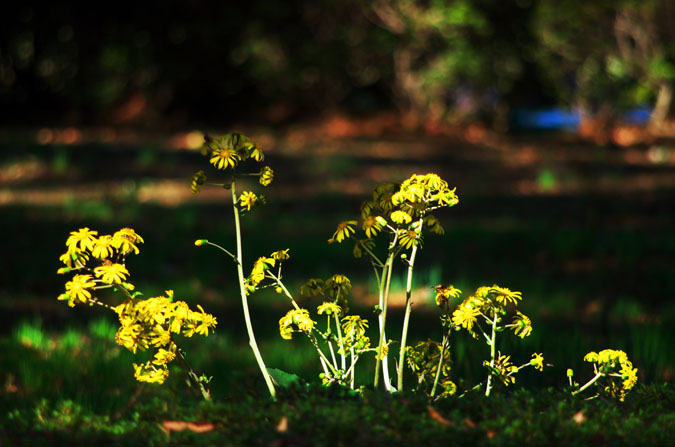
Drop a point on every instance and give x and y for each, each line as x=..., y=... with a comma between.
x=227, y=152
x=488, y=302
x=151, y=322
x=614, y=363
x=108, y=251
x=406, y=205
x=144, y=323
x=295, y=318
x=354, y=329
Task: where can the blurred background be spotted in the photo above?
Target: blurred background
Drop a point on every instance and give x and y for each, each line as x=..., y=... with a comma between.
x=553, y=119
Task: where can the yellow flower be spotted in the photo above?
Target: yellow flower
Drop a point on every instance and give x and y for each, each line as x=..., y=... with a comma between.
x=148, y=373
x=259, y=268
x=74, y=257
x=449, y=388
x=329, y=309
x=256, y=153
x=537, y=361
x=224, y=158
x=354, y=326
x=409, y=238
x=163, y=356
x=112, y=273
x=443, y=294
x=103, y=247
x=78, y=289
x=125, y=240
x=504, y=295
x=522, y=325
x=465, y=316
x=446, y=197
x=83, y=239
x=280, y=255
x=339, y=284
x=266, y=176
x=371, y=226
x=198, y=180
x=344, y=231
x=400, y=217
x=312, y=287
x=504, y=369
x=247, y=199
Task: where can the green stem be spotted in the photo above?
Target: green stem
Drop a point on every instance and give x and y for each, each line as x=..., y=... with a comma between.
x=195, y=385
x=492, y=355
x=590, y=382
x=440, y=364
x=385, y=281
x=343, y=359
x=406, y=318
x=244, y=299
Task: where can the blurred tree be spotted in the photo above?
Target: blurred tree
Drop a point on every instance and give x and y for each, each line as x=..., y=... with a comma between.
x=607, y=55
x=452, y=60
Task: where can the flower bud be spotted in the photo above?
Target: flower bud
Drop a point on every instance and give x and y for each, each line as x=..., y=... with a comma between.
x=63, y=270
x=200, y=242
x=570, y=373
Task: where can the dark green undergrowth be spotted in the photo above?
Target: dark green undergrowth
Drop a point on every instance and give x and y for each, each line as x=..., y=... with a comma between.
x=317, y=416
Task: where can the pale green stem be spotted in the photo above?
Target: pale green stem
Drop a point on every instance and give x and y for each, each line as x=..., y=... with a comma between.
x=590, y=382
x=193, y=381
x=351, y=367
x=343, y=359
x=234, y=258
x=406, y=318
x=385, y=280
x=330, y=343
x=440, y=365
x=244, y=300
x=492, y=356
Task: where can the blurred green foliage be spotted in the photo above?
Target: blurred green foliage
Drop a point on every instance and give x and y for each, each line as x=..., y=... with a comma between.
x=435, y=60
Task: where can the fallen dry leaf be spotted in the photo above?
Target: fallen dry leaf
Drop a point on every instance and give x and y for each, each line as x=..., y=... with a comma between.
x=282, y=426
x=438, y=417
x=580, y=417
x=197, y=427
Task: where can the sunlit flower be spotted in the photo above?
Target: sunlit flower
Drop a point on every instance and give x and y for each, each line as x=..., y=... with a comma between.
x=280, y=255
x=149, y=373
x=344, y=231
x=400, y=217
x=522, y=325
x=444, y=293
x=74, y=257
x=112, y=273
x=371, y=226
x=465, y=316
x=409, y=238
x=164, y=356
x=329, y=309
x=206, y=321
x=256, y=153
x=247, y=199
x=504, y=295
x=537, y=361
x=446, y=197
x=83, y=239
x=224, y=158
x=266, y=176
x=504, y=369
x=354, y=326
x=103, y=247
x=78, y=289
x=125, y=240
x=259, y=268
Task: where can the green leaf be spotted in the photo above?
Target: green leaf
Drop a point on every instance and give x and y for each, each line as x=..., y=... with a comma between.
x=282, y=378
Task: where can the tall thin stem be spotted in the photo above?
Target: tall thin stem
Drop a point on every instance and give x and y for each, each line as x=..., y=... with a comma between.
x=385, y=281
x=406, y=318
x=244, y=300
x=195, y=385
x=488, y=387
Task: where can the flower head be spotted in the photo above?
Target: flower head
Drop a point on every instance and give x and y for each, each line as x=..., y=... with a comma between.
x=112, y=273
x=372, y=226
x=103, y=247
x=329, y=308
x=198, y=180
x=344, y=231
x=522, y=325
x=537, y=361
x=266, y=176
x=280, y=255
x=78, y=290
x=83, y=239
x=400, y=217
x=247, y=200
x=225, y=158
x=465, y=316
x=126, y=240
x=444, y=293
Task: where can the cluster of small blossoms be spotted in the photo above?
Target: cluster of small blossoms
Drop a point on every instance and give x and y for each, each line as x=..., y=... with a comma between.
x=424, y=360
x=260, y=271
x=611, y=365
x=151, y=323
x=295, y=320
x=402, y=210
x=228, y=152
x=108, y=252
x=99, y=263
x=487, y=303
